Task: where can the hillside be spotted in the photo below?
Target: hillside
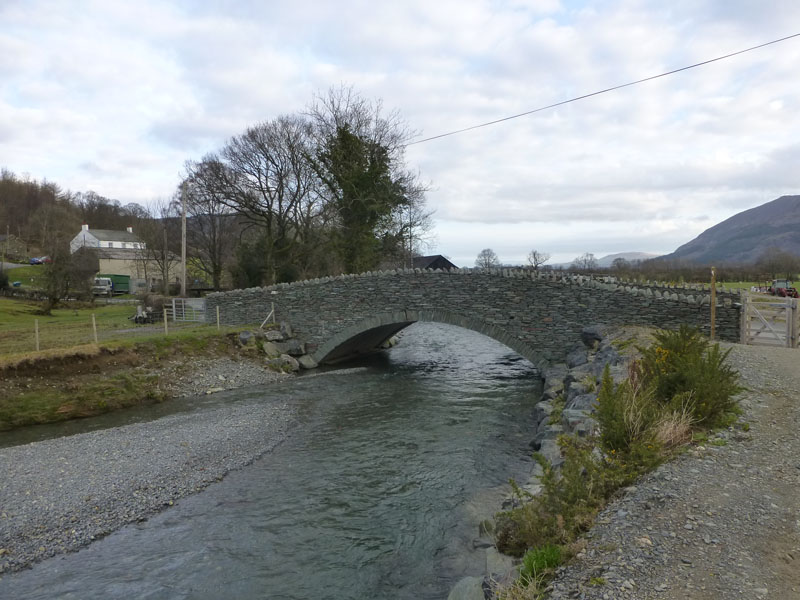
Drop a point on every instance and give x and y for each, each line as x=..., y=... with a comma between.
x=745, y=236
x=608, y=260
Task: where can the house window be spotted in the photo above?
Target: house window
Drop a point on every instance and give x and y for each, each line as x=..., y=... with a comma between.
x=110, y=244
x=124, y=245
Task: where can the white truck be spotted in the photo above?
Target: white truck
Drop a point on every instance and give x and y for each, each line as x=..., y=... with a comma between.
x=103, y=286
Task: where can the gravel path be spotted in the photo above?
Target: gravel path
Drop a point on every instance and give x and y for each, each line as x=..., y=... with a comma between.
x=720, y=522
x=58, y=495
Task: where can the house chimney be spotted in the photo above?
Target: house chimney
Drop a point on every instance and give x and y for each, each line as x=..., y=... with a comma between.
x=85, y=227
x=130, y=229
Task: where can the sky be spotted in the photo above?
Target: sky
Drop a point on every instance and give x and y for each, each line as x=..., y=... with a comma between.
x=114, y=97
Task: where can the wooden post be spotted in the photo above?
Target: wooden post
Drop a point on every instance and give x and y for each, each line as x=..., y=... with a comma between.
x=166, y=329
x=94, y=328
x=218, y=317
x=745, y=318
x=273, y=313
x=36, y=329
x=713, y=302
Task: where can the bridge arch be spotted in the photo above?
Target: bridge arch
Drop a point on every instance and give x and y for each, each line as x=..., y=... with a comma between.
x=540, y=315
x=370, y=334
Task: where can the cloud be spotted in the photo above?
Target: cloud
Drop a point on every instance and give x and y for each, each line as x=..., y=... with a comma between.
x=117, y=96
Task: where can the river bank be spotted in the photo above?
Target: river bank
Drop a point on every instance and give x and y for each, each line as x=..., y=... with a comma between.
x=59, y=495
x=379, y=468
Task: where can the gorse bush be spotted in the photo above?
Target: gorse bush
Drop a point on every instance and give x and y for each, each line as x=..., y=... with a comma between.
x=680, y=382
x=683, y=362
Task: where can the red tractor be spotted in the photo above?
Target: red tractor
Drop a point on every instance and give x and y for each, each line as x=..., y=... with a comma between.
x=783, y=288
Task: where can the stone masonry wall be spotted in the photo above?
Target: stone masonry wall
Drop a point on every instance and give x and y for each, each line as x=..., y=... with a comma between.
x=540, y=315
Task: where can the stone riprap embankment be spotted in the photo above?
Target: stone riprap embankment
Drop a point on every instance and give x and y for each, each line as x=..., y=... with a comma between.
x=538, y=314
x=58, y=495
x=567, y=405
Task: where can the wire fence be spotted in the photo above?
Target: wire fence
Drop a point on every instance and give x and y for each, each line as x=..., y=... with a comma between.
x=46, y=334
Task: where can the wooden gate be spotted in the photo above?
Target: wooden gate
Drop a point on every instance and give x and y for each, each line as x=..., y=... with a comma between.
x=769, y=321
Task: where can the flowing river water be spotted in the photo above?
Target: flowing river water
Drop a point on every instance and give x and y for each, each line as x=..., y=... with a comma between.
x=377, y=493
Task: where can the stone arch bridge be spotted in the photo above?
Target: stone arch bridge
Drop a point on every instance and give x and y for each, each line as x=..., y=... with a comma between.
x=538, y=314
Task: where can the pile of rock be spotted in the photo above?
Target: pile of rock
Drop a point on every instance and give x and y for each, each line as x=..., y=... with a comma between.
x=567, y=407
x=284, y=353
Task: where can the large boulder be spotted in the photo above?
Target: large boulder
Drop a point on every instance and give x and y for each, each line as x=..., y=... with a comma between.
x=469, y=588
x=592, y=335
x=273, y=335
x=292, y=347
x=271, y=349
x=283, y=363
x=306, y=362
x=577, y=358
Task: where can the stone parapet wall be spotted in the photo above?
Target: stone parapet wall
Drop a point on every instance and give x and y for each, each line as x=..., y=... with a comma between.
x=538, y=314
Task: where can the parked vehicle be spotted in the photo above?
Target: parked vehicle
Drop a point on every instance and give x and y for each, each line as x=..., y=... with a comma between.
x=783, y=288
x=103, y=286
x=40, y=260
x=121, y=283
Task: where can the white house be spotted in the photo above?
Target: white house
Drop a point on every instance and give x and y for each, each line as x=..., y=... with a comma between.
x=105, y=238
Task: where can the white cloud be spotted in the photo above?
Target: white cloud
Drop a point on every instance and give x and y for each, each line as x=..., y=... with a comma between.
x=116, y=96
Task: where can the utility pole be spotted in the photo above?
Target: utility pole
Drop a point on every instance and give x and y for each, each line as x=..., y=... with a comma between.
x=5, y=253
x=183, y=240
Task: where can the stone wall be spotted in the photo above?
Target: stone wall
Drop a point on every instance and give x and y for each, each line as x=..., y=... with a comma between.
x=540, y=315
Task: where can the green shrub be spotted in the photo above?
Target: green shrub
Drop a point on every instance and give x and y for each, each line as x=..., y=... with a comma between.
x=539, y=560
x=682, y=362
x=626, y=414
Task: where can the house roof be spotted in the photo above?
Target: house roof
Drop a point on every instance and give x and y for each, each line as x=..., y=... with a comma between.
x=109, y=235
x=436, y=261
x=113, y=253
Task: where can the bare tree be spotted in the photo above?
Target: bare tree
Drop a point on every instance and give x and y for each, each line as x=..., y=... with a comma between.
x=585, y=262
x=487, y=259
x=776, y=262
x=537, y=258
x=264, y=175
x=212, y=223
x=161, y=236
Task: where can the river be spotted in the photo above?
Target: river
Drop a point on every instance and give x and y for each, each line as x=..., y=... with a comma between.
x=376, y=494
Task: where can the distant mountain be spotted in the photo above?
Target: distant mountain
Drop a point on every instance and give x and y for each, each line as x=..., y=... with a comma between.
x=607, y=261
x=746, y=235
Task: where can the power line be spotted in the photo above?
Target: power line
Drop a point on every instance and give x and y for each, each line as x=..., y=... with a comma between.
x=611, y=89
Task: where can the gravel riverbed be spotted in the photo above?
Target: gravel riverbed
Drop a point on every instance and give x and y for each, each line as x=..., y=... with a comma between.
x=722, y=521
x=60, y=494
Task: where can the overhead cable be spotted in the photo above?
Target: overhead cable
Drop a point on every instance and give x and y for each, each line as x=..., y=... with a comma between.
x=597, y=93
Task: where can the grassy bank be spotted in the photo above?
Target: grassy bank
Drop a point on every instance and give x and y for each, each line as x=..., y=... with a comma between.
x=45, y=387
x=679, y=388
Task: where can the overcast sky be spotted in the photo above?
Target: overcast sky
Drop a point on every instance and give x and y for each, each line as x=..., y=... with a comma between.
x=114, y=96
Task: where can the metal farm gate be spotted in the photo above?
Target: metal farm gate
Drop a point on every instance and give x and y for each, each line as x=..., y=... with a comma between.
x=187, y=309
x=769, y=321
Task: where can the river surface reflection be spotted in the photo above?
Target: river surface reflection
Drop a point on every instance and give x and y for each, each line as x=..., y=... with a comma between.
x=376, y=494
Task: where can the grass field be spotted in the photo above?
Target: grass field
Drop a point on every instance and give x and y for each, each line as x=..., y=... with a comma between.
x=72, y=326
x=30, y=276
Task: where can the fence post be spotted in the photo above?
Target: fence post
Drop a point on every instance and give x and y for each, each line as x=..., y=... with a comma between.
x=36, y=328
x=94, y=328
x=713, y=301
x=217, y=317
x=745, y=317
x=166, y=330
